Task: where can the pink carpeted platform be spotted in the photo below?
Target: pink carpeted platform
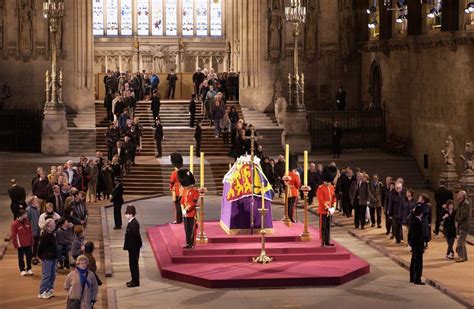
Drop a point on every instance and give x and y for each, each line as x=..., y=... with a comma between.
x=226, y=261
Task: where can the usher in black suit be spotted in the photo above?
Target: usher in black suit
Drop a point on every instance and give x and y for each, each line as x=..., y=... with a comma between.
x=133, y=243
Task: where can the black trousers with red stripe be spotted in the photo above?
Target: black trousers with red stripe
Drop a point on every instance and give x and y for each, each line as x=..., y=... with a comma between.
x=292, y=201
x=178, y=217
x=189, y=230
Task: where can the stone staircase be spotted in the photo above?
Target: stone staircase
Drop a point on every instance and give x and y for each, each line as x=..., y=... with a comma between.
x=82, y=132
x=267, y=128
x=151, y=178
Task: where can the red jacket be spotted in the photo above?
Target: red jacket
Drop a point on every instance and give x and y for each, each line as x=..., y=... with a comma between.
x=21, y=234
x=294, y=184
x=190, y=198
x=175, y=186
x=326, y=195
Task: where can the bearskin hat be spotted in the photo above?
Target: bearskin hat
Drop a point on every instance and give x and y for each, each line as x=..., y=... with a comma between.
x=293, y=164
x=329, y=173
x=185, y=177
x=176, y=160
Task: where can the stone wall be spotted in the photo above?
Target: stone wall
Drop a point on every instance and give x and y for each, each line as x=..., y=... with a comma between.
x=25, y=53
x=428, y=94
x=321, y=59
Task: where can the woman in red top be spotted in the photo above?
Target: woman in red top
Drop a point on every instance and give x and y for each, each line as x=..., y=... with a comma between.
x=22, y=240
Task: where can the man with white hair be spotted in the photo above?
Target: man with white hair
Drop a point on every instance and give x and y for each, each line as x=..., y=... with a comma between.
x=462, y=225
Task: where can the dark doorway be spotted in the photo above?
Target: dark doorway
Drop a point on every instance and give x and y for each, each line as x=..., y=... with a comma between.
x=375, y=86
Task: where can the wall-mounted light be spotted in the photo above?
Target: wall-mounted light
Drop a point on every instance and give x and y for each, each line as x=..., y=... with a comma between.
x=372, y=10
x=373, y=24
x=433, y=13
x=401, y=18
x=470, y=8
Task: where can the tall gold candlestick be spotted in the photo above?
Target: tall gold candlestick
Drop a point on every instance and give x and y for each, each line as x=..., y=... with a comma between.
x=305, y=170
x=201, y=238
x=305, y=236
x=286, y=219
x=191, y=158
x=201, y=166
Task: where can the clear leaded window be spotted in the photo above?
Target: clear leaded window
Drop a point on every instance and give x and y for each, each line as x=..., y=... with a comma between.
x=157, y=17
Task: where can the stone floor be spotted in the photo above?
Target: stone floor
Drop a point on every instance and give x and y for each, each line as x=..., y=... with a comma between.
x=386, y=285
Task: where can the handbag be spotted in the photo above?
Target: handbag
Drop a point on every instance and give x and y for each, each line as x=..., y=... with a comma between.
x=73, y=303
x=97, y=278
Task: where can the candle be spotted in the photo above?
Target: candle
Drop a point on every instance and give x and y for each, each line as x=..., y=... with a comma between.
x=287, y=159
x=202, y=170
x=263, y=196
x=191, y=159
x=305, y=168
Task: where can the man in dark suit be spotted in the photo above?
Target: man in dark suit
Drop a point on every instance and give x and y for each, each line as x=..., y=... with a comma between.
x=442, y=195
x=133, y=243
x=417, y=244
x=158, y=136
x=155, y=104
x=345, y=188
x=394, y=206
x=17, y=196
x=192, y=111
x=198, y=138
x=119, y=151
x=360, y=200
x=117, y=199
x=57, y=199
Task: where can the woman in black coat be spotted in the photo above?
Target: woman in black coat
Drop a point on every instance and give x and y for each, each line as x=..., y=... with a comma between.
x=449, y=224
x=424, y=202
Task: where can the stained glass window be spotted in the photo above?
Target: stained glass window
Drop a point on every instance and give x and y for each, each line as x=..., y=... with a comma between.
x=171, y=17
x=98, y=17
x=143, y=20
x=112, y=17
x=187, y=17
x=126, y=17
x=216, y=17
x=201, y=17
x=157, y=17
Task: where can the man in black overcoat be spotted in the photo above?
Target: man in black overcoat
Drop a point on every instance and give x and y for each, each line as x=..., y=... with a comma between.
x=133, y=243
x=442, y=195
x=417, y=244
x=17, y=196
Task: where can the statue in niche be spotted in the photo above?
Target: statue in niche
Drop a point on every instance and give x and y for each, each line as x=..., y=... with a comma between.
x=2, y=21
x=275, y=33
x=310, y=34
x=346, y=29
x=160, y=58
x=467, y=157
x=448, y=152
x=26, y=24
x=275, y=4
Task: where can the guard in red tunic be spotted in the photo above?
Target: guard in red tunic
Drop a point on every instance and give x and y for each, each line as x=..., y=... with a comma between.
x=294, y=185
x=175, y=187
x=189, y=200
x=326, y=203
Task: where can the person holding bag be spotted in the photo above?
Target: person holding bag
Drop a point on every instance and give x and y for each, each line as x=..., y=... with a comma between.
x=81, y=285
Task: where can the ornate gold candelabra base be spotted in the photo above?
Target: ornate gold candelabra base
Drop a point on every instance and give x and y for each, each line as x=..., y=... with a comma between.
x=286, y=219
x=305, y=236
x=263, y=258
x=201, y=237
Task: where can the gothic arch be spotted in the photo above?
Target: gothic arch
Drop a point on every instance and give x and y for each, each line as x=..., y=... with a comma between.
x=376, y=82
